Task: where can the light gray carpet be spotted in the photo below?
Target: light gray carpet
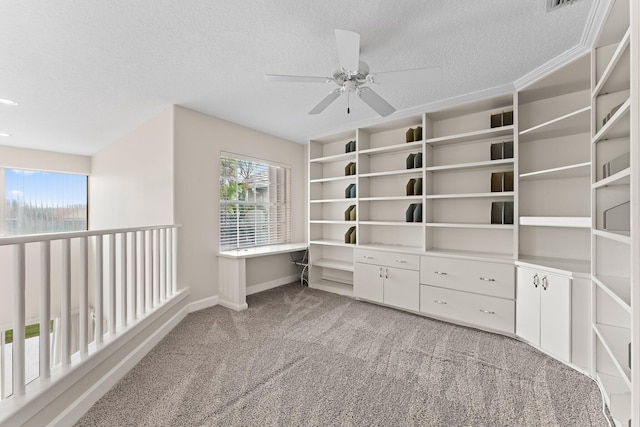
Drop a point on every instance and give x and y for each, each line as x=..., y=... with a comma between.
x=301, y=357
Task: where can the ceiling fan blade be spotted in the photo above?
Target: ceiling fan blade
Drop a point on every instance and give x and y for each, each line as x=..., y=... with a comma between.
x=348, y=49
x=296, y=79
x=325, y=102
x=376, y=102
x=413, y=77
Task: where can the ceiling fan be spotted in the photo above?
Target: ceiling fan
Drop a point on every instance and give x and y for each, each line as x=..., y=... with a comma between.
x=353, y=76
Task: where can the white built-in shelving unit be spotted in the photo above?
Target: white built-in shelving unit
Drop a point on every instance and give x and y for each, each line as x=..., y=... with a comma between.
x=612, y=269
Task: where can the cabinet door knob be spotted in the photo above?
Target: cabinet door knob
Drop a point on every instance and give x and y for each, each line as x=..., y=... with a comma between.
x=488, y=311
x=439, y=301
x=386, y=273
x=545, y=283
x=487, y=279
x=440, y=273
x=401, y=261
x=536, y=280
x=368, y=257
x=380, y=271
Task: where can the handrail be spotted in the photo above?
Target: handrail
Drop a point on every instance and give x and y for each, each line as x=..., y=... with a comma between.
x=33, y=238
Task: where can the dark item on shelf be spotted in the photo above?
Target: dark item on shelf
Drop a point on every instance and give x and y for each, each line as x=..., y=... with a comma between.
x=508, y=213
x=417, y=188
x=496, y=120
x=507, y=183
x=618, y=218
x=507, y=118
x=350, y=169
x=497, y=179
x=417, y=160
x=502, y=150
x=353, y=146
x=352, y=214
x=497, y=212
x=417, y=213
x=410, y=135
x=409, y=214
x=616, y=165
x=411, y=187
x=348, y=213
x=350, y=191
x=347, y=147
x=417, y=134
x=508, y=150
x=350, y=235
x=611, y=114
x=411, y=161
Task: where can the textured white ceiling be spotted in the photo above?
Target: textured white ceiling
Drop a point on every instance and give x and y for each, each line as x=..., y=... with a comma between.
x=88, y=72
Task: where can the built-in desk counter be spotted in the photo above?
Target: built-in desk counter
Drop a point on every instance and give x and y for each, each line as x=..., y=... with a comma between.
x=232, y=273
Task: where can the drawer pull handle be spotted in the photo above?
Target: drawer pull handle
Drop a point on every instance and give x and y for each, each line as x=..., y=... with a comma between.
x=545, y=283
x=487, y=279
x=401, y=261
x=439, y=301
x=536, y=280
x=368, y=257
x=488, y=311
x=440, y=273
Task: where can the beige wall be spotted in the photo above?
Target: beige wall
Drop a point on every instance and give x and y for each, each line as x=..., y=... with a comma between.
x=22, y=158
x=199, y=139
x=131, y=182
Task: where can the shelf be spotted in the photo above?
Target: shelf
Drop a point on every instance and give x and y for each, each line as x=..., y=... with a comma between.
x=618, y=126
x=570, y=124
x=619, y=178
x=615, y=341
x=617, y=236
x=415, y=171
x=506, y=131
x=352, y=199
x=333, y=179
x=334, y=158
x=392, y=223
x=326, y=221
x=577, y=170
x=408, y=146
x=391, y=247
x=618, y=288
x=559, y=265
x=470, y=255
x=390, y=198
x=610, y=81
x=333, y=287
x=494, y=195
x=328, y=242
x=470, y=225
x=613, y=385
x=473, y=165
x=557, y=221
x=333, y=264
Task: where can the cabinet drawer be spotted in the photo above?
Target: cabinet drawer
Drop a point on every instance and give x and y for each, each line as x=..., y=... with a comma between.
x=476, y=310
x=388, y=259
x=487, y=278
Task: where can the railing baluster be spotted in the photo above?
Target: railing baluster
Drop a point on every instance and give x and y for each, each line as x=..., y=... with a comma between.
x=3, y=369
x=169, y=262
x=151, y=269
x=123, y=279
x=143, y=272
x=134, y=275
x=112, y=284
x=65, y=302
x=18, y=320
x=99, y=290
x=84, y=297
x=156, y=264
x=45, y=309
x=163, y=264
x=174, y=259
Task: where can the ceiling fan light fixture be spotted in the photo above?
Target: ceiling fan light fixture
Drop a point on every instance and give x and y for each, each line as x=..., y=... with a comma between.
x=7, y=101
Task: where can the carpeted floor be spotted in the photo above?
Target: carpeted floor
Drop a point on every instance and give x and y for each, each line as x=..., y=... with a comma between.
x=300, y=357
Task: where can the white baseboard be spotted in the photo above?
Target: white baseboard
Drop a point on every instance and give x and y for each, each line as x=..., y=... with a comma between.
x=203, y=303
x=254, y=289
x=233, y=306
x=78, y=408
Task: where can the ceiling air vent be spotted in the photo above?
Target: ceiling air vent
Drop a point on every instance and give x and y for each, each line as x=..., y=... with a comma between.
x=557, y=4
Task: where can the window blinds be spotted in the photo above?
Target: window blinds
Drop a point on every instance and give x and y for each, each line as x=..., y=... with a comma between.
x=254, y=203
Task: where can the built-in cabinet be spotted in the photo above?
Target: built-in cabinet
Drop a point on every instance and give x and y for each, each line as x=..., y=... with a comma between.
x=515, y=214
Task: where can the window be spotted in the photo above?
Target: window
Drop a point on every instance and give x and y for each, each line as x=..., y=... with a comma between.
x=254, y=203
x=42, y=202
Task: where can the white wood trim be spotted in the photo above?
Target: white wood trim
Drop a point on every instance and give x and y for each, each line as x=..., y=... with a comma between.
x=233, y=306
x=203, y=303
x=265, y=286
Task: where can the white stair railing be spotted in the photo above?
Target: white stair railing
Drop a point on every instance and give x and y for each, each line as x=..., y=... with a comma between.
x=140, y=269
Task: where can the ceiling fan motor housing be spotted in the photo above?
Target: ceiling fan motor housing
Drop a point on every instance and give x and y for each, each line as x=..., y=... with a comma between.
x=341, y=76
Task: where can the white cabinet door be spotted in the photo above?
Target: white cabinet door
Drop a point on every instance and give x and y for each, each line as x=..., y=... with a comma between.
x=402, y=288
x=528, y=305
x=367, y=282
x=555, y=315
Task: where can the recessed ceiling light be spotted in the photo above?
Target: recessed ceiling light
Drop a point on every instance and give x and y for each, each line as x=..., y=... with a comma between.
x=7, y=101
x=4, y=134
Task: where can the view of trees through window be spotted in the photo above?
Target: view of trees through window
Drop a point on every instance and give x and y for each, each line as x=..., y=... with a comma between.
x=254, y=203
x=42, y=202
